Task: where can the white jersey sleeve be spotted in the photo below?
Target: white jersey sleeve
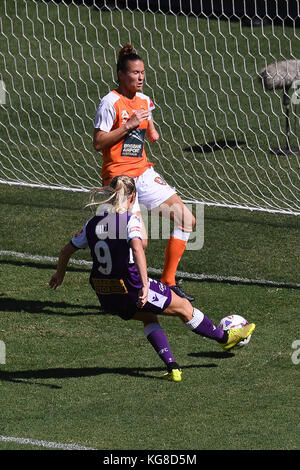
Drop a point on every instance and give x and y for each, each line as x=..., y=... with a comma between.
x=134, y=228
x=106, y=113
x=151, y=105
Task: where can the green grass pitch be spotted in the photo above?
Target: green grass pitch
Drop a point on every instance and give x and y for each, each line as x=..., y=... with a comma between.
x=76, y=376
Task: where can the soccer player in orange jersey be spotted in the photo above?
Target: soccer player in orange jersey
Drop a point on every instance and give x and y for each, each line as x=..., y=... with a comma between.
x=123, y=120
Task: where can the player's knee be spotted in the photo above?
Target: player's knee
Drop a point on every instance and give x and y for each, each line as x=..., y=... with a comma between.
x=193, y=221
x=183, y=309
x=189, y=222
x=145, y=243
x=186, y=311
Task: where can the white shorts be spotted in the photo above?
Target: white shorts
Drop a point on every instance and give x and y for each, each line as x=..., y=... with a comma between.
x=152, y=190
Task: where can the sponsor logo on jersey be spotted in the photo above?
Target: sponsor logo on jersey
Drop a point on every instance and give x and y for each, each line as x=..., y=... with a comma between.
x=133, y=143
x=124, y=114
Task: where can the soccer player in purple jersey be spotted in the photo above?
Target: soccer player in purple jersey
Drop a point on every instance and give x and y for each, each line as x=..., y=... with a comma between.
x=120, y=280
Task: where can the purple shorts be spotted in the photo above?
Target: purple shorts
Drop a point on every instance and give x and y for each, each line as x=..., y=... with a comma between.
x=159, y=298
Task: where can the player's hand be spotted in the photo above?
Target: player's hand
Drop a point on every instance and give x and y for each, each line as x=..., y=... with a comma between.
x=56, y=280
x=153, y=136
x=152, y=133
x=137, y=118
x=142, y=297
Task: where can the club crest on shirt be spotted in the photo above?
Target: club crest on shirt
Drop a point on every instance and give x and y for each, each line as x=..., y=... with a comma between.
x=160, y=180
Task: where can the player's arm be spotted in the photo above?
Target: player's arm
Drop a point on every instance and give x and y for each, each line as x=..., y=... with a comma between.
x=63, y=260
x=141, y=264
x=144, y=231
x=103, y=139
x=152, y=133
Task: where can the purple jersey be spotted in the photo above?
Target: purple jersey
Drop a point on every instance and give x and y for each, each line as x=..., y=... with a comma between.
x=113, y=272
x=108, y=237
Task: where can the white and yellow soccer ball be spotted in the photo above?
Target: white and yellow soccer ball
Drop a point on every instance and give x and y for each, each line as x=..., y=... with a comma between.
x=232, y=322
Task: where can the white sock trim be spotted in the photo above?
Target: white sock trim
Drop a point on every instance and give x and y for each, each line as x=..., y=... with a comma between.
x=152, y=327
x=196, y=320
x=181, y=234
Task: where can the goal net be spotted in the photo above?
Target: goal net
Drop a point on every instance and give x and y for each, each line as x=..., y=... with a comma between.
x=225, y=138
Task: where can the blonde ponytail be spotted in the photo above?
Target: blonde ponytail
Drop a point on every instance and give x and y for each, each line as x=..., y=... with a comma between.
x=117, y=194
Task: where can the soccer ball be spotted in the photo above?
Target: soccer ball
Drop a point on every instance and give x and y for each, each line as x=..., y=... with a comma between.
x=232, y=322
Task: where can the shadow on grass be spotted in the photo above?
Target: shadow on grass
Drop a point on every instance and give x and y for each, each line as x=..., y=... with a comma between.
x=213, y=354
x=10, y=304
x=213, y=146
x=42, y=265
x=25, y=376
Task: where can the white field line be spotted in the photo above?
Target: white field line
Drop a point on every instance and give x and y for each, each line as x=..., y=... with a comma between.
x=214, y=204
x=47, y=444
x=179, y=274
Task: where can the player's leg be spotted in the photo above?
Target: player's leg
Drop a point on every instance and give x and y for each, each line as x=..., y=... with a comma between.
x=194, y=319
x=158, y=340
x=157, y=195
x=184, y=222
x=126, y=309
x=202, y=325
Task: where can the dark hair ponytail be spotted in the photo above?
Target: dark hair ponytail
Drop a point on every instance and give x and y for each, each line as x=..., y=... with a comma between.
x=127, y=53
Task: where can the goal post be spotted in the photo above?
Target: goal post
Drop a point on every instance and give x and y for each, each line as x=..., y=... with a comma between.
x=218, y=122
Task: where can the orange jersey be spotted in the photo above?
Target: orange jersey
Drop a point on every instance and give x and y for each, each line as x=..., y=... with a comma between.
x=128, y=156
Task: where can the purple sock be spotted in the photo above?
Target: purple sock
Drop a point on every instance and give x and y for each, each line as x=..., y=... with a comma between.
x=157, y=338
x=202, y=325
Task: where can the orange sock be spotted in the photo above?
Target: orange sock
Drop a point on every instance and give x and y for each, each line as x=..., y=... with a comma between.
x=174, y=251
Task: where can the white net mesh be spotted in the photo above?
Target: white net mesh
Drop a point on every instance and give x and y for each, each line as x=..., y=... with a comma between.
x=225, y=139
